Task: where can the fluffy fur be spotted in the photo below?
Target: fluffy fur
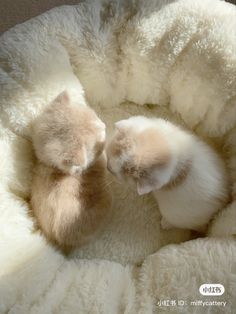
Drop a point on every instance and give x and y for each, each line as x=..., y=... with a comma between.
x=69, y=196
x=178, y=54
x=187, y=177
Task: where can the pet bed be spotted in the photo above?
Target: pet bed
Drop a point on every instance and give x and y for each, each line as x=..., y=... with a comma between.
x=174, y=59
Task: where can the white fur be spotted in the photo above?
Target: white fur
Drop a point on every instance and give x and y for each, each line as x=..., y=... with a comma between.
x=194, y=202
x=181, y=56
x=75, y=169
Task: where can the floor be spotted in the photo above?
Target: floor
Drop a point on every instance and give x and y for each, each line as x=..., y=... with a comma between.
x=13, y=12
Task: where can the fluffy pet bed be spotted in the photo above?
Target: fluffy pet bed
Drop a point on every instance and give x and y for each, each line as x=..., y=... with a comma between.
x=174, y=59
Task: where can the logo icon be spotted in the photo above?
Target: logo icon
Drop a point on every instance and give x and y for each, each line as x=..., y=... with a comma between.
x=212, y=289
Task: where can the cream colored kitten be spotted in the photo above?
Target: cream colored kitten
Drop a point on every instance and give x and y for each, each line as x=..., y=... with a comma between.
x=187, y=177
x=69, y=198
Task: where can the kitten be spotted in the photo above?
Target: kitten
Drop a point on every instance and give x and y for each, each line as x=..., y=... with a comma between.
x=187, y=177
x=69, y=198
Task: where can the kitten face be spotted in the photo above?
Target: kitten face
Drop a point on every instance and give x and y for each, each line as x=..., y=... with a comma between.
x=139, y=155
x=68, y=136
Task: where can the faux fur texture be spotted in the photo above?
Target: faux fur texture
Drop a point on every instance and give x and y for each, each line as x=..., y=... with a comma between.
x=121, y=56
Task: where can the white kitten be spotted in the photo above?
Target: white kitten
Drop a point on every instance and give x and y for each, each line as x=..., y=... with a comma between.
x=187, y=177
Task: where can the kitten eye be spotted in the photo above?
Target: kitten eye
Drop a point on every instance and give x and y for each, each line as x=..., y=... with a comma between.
x=67, y=162
x=143, y=174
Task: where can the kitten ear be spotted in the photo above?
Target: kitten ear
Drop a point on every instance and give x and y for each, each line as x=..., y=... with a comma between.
x=121, y=125
x=145, y=187
x=63, y=98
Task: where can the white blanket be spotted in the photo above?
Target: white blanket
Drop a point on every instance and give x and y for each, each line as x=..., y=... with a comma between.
x=175, y=59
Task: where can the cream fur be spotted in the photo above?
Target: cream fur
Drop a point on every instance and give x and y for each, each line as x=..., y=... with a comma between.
x=179, y=55
x=70, y=199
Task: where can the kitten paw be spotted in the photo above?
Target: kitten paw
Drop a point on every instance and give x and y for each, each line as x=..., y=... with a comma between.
x=165, y=224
